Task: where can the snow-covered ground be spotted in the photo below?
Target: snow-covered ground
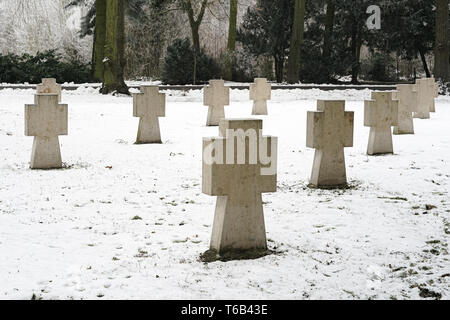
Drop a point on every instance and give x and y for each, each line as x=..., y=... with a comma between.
x=130, y=221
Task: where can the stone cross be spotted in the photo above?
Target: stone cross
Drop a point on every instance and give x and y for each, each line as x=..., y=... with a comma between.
x=435, y=88
x=329, y=131
x=380, y=114
x=46, y=119
x=425, y=98
x=238, y=184
x=216, y=96
x=149, y=105
x=406, y=95
x=260, y=92
x=49, y=85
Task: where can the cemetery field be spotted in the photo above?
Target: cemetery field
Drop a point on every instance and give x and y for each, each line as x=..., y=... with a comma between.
x=126, y=221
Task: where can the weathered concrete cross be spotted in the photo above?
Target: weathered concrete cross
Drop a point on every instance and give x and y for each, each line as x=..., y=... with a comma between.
x=46, y=120
x=216, y=96
x=239, y=174
x=435, y=88
x=260, y=92
x=49, y=85
x=329, y=131
x=425, y=98
x=380, y=114
x=149, y=105
x=406, y=95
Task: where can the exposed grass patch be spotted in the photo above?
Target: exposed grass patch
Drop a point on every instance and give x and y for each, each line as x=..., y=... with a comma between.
x=233, y=255
x=394, y=198
x=427, y=293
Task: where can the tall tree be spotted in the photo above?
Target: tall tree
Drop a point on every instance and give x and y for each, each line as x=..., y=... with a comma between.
x=408, y=29
x=329, y=24
x=351, y=20
x=194, y=23
x=99, y=41
x=441, y=46
x=355, y=47
x=95, y=22
x=314, y=66
x=231, y=46
x=293, y=71
x=267, y=29
x=114, y=61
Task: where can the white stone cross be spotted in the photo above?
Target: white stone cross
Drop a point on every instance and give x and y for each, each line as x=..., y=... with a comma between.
x=216, y=96
x=329, y=131
x=425, y=99
x=238, y=183
x=380, y=114
x=149, y=105
x=435, y=88
x=46, y=119
x=49, y=85
x=260, y=92
x=407, y=96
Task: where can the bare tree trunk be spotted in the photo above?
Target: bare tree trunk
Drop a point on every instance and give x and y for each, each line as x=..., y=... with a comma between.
x=328, y=35
x=279, y=68
x=329, y=25
x=114, y=61
x=195, y=23
x=99, y=41
x=231, y=47
x=441, y=49
x=356, y=51
x=424, y=63
x=293, y=72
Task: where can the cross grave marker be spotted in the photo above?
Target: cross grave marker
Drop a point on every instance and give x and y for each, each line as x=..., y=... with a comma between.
x=149, y=105
x=329, y=131
x=46, y=119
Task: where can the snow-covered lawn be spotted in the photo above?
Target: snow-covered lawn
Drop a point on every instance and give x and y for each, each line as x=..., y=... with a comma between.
x=129, y=221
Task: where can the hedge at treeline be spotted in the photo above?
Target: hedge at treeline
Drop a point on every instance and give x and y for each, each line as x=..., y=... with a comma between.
x=178, y=68
x=27, y=68
x=179, y=65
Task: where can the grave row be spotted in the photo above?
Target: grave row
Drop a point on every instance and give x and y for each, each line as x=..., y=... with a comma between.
x=237, y=176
